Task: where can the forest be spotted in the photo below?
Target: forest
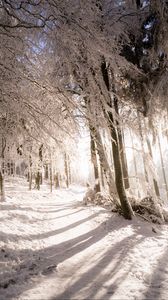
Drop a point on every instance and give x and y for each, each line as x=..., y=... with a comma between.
x=84, y=130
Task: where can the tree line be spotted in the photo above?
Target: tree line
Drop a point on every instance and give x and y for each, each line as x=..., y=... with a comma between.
x=98, y=63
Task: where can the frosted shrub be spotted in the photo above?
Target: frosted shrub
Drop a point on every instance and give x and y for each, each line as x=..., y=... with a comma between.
x=100, y=198
x=149, y=208
x=89, y=196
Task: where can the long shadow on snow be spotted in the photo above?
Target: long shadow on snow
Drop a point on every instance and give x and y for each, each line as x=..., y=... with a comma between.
x=63, y=229
x=92, y=280
x=10, y=207
x=57, y=254
x=54, y=254
x=14, y=237
x=110, y=263
x=67, y=215
x=36, y=220
x=155, y=288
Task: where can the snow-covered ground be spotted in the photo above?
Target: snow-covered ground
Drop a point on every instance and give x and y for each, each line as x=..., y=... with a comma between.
x=54, y=247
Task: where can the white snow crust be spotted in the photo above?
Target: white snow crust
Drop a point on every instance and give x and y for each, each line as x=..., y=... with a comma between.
x=52, y=246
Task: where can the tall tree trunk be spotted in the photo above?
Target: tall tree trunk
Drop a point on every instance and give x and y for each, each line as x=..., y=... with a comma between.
x=41, y=163
x=106, y=168
x=102, y=176
x=2, y=174
x=46, y=171
x=135, y=164
x=51, y=174
x=56, y=180
x=138, y=4
x=66, y=170
x=69, y=170
x=38, y=177
x=2, y=188
x=37, y=180
x=165, y=125
x=163, y=167
x=143, y=152
x=94, y=159
x=121, y=147
x=93, y=148
x=125, y=205
x=30, y=173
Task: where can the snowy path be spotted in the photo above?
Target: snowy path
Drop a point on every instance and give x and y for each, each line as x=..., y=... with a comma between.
x=53, y=247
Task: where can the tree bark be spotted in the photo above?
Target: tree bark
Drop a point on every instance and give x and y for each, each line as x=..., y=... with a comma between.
x=93, y=148
x=143, y=152
x=135, y=164
x=37, y=180
x=122, y=148
x=69, y=170
x=66, y=170
x=51, y=174
x=94, y=159
x=30, y=173
x=2, y=174
x=138, y=4
x=163, y=167
x=46, y=171
x=56, y=180
x=125, y=205
x=2, y=188
x=41, y=162
x=106, y=168
x=102, y=176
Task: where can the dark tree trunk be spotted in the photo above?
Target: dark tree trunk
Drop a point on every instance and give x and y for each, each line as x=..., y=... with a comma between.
x=124, y=162
x=102, y=176
x=143, y=152
x=2, y=188
x=94, y=160
x=30, y=173
x=41, y=162
x=56, y=180
x=38, y=176
x=2, y=171
x=51, y=177
x=69, y=170
x=66, y=170
x=121, y=147
x=104, y=164
x=106, y=167
x=125, y=205
x=51, y=172
x=93, y=149
x=138, y=4
x=37, y=180
x=46, y=171
x=163, y=167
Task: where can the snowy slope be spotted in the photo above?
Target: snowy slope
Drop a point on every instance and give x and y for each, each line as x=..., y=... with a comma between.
x=54, y=247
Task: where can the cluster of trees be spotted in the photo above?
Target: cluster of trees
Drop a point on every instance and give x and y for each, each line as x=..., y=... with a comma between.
x=102, y=64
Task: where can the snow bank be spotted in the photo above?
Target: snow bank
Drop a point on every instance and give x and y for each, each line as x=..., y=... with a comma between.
x=150, y=209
